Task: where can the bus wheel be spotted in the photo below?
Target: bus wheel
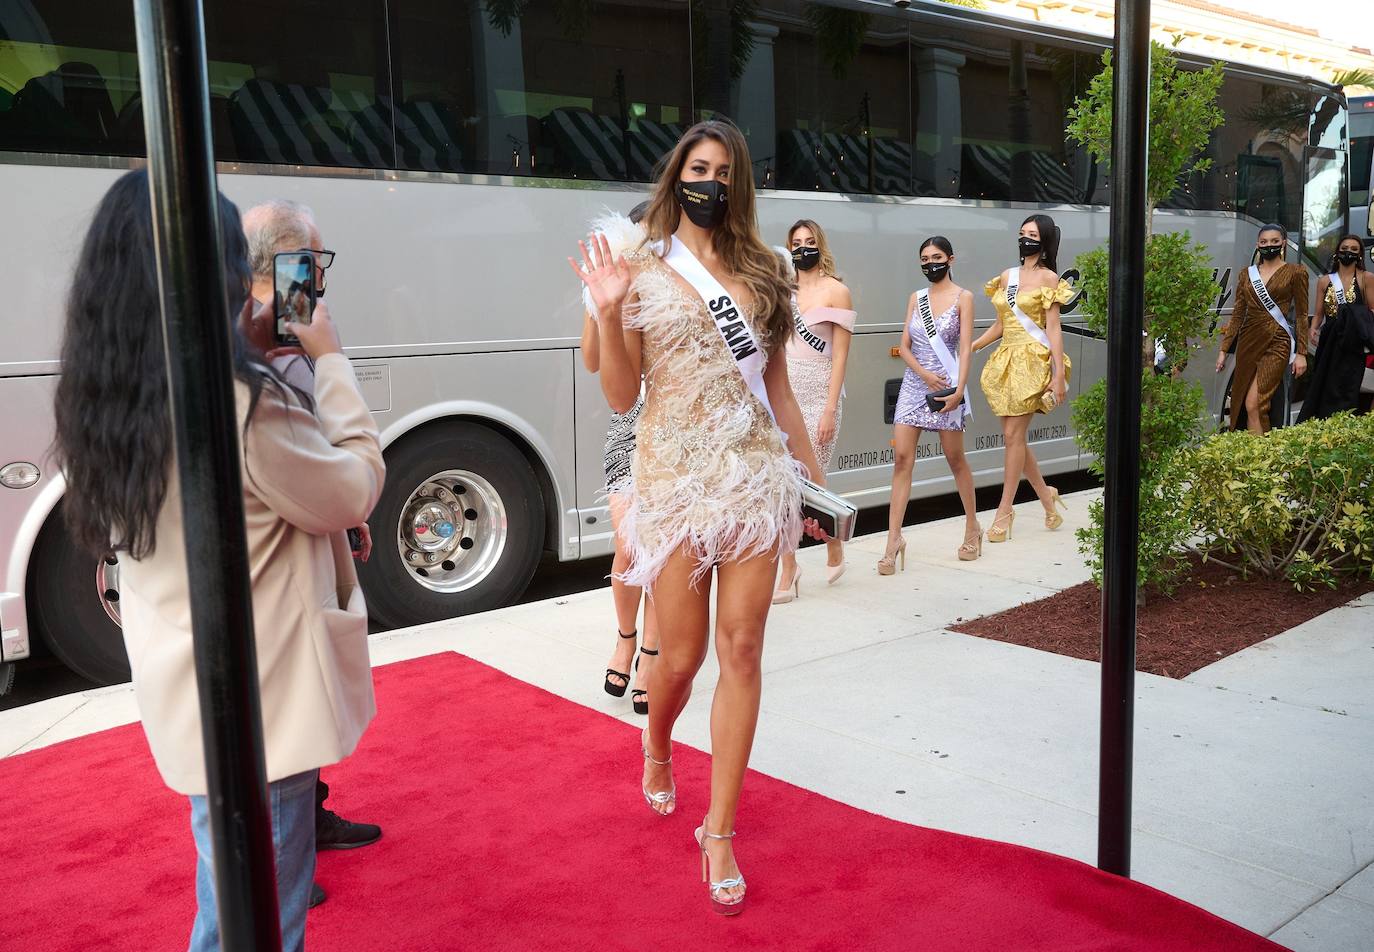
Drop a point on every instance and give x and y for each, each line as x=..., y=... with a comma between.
x=459, y=527
x=73, y=602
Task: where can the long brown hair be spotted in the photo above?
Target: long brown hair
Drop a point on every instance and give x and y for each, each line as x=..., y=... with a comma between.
x=822, y=244
x=736, y=239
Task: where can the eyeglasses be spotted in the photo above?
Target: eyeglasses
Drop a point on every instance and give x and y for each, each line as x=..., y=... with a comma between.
x=323, y=258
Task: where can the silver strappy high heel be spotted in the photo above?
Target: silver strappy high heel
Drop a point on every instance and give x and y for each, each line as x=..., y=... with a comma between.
x=726, y=907
x=659, y=797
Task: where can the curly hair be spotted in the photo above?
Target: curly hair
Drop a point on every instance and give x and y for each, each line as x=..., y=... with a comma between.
x=822, y=245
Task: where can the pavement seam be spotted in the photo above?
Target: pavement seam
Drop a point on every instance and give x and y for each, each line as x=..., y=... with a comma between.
x=1320, y=899
x=47, y=730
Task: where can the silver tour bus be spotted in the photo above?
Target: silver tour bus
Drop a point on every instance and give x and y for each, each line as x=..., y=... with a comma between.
x=454, y=150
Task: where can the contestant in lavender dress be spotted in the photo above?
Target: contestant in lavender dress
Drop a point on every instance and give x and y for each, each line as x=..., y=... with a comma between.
x=912, y=409
x=931, y=368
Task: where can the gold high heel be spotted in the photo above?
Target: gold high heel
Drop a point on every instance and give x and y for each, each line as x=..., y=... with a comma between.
x=973, y=545
x=887, y=565
x=998, y=532
x=726, y=907
x=1054, y=520
x=660, y=797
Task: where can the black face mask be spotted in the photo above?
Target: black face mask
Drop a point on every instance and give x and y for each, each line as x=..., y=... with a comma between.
x=936, y=272
x=1028, y=247
x=1270, y=252
x=804, y=259
x=704, y=202
x=1347, y=257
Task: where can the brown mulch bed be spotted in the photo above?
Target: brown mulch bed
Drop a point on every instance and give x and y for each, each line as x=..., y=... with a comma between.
x=1213, y=614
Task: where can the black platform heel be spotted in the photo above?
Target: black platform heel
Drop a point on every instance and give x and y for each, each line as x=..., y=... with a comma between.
x=618, y=690
x=641, y=706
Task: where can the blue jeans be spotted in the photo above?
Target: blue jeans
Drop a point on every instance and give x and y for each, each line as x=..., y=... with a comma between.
x=292, y=802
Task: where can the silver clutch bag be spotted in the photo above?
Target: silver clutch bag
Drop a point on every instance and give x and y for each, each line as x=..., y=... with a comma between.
x=835, y=514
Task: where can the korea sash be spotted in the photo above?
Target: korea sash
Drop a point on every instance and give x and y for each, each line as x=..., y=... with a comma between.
x=813, y=340
x=1029, y=326
x=727, y=316
x=1339, y=288
x=1267, y=300
x=948, y=361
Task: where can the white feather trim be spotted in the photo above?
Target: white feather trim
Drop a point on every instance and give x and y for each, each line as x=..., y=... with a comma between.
x=710, y=471
x=622, y=235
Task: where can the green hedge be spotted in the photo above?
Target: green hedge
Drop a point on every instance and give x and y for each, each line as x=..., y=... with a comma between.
x=1296, y=504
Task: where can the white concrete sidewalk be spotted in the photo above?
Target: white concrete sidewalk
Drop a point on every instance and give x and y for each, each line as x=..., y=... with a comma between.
x=1254, y=784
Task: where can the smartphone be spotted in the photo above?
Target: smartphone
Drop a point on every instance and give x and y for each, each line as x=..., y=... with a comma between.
x=293, y=287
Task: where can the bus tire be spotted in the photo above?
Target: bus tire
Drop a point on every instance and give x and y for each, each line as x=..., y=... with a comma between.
x=459, y=527
x=68, y=609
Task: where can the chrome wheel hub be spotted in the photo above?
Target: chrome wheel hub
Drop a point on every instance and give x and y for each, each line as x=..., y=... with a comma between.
x=107, y=586
x=452, y=531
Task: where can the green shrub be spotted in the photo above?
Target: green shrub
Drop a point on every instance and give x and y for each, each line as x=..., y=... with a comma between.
x=1296, y=504
x=1179, y=295
x=1171, y=420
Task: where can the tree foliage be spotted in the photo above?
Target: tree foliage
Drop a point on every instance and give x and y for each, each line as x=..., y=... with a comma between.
x=1179, y=292
x=1183, y=114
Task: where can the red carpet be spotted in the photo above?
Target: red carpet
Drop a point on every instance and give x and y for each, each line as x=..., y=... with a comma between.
x=513, y=822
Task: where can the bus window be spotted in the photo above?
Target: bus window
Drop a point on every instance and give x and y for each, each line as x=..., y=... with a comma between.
x=68, y=78
x=302, y=83
x=820, y=91
x=1256, y=154
x=990, y=115
x=540, y=89
x=1324, y=206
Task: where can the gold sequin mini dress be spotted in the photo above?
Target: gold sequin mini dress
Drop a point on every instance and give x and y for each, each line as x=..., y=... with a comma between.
x=1018, y=372
x=711, y=473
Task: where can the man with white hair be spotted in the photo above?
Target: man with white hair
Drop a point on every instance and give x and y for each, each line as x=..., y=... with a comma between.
x=272, y=228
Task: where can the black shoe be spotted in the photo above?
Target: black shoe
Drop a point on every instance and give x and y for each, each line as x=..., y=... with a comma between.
x=333, y=832
x=316, y=895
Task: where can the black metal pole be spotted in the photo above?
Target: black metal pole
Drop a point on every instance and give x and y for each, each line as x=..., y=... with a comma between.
x=195, y=318
x=1125, y=323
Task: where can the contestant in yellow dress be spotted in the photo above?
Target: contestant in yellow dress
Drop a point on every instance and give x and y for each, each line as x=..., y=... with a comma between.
x=1029, y=371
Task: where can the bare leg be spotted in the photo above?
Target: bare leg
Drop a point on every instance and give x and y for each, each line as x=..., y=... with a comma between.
x=834, y=552
x=741, y=612
x=903, y=459
x=625, y=597
x=952, y=442
x=683, y=614
x=1013, y=460
x=648, y=642
x=1253, y=422
x=1032, y=473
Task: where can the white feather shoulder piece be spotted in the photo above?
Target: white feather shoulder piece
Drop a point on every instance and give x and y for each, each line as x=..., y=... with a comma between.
x=622, y=235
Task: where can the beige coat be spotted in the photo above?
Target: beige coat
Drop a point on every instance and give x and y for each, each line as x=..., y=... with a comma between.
x=307, y=478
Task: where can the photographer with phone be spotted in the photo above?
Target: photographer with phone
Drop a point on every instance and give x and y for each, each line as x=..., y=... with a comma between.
x=289, y=262
x=312, y=467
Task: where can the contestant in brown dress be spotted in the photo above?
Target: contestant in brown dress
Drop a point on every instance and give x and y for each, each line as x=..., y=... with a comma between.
x=1264, y=347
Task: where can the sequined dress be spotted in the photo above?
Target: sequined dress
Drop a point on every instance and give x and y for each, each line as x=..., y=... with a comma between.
x=809, y=368
x=1262, y=346
x=711, y=472
x=1018, y=372
x=912, y=409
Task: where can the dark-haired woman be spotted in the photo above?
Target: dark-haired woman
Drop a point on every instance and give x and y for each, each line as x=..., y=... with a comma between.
x=623, y=234
x=1266, y=339
x=310, y=472
x=1346, y=282
x=1343, y=332
x=817, y=354
x=703, y=311
x=1029, y=371
x=937, y=348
